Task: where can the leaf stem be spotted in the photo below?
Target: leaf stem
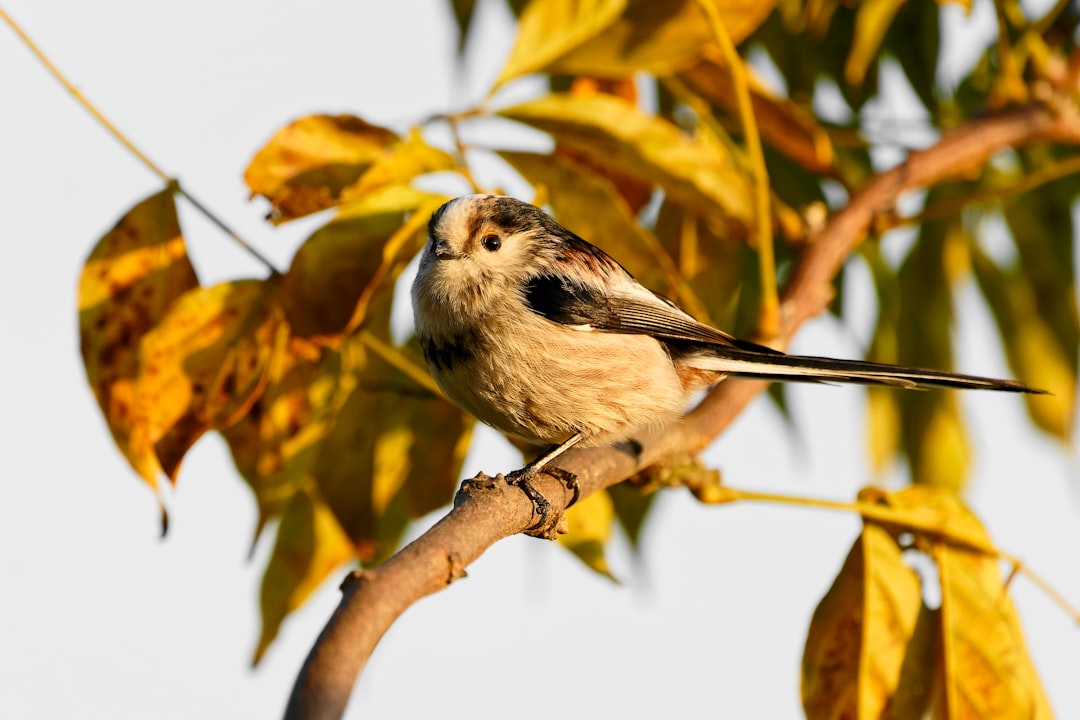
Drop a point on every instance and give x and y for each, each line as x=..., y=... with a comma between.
x=875, y=512
x=130, y=146
x=769, y=317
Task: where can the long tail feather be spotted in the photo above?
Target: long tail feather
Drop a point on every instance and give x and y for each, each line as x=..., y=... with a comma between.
x=802, y=368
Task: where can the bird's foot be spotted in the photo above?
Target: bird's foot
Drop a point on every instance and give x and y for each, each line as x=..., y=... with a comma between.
x=548, y=525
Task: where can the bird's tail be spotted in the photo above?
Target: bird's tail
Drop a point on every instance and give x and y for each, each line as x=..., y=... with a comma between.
x=739, y=362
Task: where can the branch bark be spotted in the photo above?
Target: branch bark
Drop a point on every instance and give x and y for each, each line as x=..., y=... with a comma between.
x=487, y=510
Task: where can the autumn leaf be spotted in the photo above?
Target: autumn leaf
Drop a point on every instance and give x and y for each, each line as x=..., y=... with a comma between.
x=986, y=669
x=548, y=30
x=275, y=443
x=204, y=364
x=132, y=277
x=590, y=521
x=615, y=133
x=790, y=128
x=338, y=266
x=662, y=38
x=872, y=20
x=307, y=164
x=310, y=545
x=862, y=634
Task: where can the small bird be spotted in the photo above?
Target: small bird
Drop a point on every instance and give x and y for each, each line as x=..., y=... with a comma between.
x=544, y=336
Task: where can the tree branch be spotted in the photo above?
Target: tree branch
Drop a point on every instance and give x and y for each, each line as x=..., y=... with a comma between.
x=488, y=510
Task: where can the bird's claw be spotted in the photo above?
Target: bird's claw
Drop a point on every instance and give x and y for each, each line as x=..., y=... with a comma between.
x=544, y=526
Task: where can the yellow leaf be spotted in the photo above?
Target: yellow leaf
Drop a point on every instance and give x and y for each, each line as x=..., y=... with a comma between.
x=660, y=38
x=1034, y=350
x=882, y=428
x=393, y=452
x=872, y=20
x=305, y=165
x=986, y=669
x=590, y=522
x=342, y=260
x=613, y=132
x=310, y=545
x=864, y=635
x=404, y=161
x=790, y=128
x=134, y=273
x=940, y=450
x=274, y=445
x=204, y=364
x=548, y=29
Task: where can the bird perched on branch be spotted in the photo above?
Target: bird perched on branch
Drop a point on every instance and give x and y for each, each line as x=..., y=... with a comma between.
x=544, y=336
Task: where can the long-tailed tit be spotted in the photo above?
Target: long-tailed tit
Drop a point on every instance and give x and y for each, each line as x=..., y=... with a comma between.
x=544, y=336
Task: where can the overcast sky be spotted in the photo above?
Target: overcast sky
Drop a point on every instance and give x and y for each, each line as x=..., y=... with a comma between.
x=101, y=618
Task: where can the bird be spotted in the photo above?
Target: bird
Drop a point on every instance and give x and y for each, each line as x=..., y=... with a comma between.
x=544, y=336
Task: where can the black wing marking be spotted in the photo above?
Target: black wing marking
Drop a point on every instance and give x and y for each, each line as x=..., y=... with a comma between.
x=562, y=300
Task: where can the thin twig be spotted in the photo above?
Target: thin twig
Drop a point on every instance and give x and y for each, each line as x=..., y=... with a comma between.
x=130, y=146
x=769, y=317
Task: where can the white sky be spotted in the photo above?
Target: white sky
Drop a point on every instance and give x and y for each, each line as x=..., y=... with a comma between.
x=100, y=618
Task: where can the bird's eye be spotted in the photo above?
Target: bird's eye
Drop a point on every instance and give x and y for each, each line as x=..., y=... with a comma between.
x=491, y=243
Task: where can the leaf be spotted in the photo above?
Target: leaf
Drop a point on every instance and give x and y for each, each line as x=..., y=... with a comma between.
x=1033, y=349
x=632, y=506
x=204, y=364
x=590, y=521
x=787, y=126
x=463, y=15
x=614, y=133
x=335, y=270
x=986, y=669
x=872, y=20
x=274, y=445
x=394, y=452
x=862, y=634
x=310, y=545
x=304, y=167
x=408, y=159
x=131, y=278
x=548, y=30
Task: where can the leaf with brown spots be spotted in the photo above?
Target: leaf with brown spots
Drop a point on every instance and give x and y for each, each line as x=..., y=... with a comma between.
x=275, y=442
x=205, y=363
x=133, y=275
x=304, y=167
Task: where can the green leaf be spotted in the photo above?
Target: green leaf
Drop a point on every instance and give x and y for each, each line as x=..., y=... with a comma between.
x=614, y=133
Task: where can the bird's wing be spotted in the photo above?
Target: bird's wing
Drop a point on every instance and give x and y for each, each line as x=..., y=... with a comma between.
x=622, y=307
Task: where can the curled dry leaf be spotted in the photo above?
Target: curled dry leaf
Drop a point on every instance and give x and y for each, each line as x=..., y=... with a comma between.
x=613, y=132
x=205, y=363
x=133, y=275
